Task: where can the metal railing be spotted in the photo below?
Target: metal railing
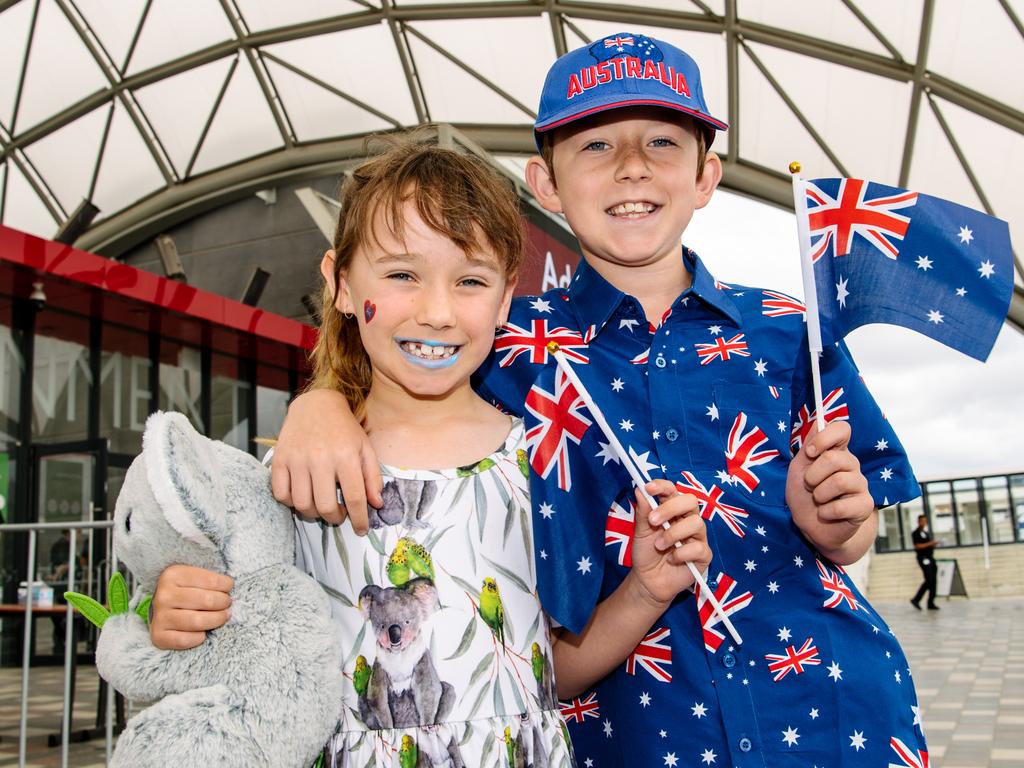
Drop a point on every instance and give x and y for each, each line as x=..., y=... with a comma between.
x=70, y=646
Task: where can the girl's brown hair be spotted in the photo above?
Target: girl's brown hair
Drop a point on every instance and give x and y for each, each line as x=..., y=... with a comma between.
x=455, y=194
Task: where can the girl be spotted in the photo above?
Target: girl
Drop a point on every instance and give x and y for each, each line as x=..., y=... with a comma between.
x=449, y=661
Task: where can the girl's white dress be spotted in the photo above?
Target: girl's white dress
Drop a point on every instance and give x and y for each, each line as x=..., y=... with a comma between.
x=447, y=658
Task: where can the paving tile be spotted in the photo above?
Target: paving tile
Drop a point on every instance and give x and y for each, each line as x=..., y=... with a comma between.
x=972, y=697
x=971, y=692
x=972, y=737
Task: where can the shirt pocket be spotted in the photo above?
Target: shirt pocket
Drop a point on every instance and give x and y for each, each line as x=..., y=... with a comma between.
x=745, y=409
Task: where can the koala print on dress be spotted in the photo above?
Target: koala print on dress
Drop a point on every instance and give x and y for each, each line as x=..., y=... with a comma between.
x=404, y=689
x=405, y=502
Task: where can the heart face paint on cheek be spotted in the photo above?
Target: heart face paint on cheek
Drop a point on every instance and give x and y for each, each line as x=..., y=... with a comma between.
x=369, y=310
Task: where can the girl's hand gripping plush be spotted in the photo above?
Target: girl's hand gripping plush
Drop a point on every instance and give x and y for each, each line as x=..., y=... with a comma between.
x=266, y=688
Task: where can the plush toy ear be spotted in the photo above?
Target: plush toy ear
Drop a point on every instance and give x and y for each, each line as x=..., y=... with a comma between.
x=183, y=474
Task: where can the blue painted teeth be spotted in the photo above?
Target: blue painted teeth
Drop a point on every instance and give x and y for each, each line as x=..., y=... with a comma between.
x=429, y=351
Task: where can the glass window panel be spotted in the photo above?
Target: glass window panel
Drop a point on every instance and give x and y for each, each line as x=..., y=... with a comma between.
x=8, y=478
x=181, y=381
x=997, y=507
x=115, y=482
x=65, y=495
x=229, y=402
x=124, y=388
x=271, y=405
x=1017, y=494
x=940, y=504
x=910, y=511
x=968, y=509
x=888, y=539
x=12, y=367
x=61, y=377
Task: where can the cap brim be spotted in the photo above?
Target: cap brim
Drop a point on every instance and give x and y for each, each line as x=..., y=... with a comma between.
x=570, y=116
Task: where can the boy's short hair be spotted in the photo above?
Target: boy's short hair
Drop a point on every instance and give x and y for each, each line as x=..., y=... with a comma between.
x=623, y=70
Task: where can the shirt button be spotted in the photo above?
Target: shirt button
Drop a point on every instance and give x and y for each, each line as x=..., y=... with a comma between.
x=728, y=661
x=660, y=361
x=746, y=744
x=713, y=585
x=671, y=434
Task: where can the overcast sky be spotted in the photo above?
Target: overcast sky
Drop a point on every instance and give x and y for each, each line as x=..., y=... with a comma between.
x=955, y=416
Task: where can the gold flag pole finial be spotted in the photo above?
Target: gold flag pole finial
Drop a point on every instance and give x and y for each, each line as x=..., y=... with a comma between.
x=794, y=167
x=553, y=346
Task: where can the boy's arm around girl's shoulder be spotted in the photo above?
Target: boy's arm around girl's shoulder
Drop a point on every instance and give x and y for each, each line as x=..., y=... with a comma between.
x=515, y=362
x=323, y=447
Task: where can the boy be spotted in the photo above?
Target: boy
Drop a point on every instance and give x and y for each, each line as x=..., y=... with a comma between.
x=708, y=385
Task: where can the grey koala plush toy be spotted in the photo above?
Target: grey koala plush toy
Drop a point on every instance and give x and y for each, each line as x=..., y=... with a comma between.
x=266, y=688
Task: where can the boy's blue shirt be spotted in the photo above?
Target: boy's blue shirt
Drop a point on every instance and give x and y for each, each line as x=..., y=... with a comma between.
x=715, y=398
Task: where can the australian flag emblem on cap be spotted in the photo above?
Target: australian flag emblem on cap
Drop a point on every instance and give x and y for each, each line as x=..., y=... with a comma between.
x=614, y=46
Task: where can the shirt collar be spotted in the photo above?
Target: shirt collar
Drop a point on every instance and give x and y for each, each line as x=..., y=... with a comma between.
x=708, y=289
x=594, y=300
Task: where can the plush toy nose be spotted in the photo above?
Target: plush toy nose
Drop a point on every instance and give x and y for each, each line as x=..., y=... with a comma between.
x=395, y=634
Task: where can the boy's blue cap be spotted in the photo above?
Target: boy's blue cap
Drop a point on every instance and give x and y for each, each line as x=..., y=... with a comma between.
x=623, y=70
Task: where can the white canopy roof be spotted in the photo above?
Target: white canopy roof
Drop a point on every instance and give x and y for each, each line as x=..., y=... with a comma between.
x=156, y=109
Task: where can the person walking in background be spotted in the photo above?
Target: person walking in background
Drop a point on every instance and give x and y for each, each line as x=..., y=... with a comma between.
x=924, y=546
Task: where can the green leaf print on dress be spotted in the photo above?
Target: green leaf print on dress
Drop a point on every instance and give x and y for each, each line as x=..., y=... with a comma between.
x=467, y=640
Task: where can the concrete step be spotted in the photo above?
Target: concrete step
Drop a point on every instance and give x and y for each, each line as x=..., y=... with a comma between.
x=896, y=576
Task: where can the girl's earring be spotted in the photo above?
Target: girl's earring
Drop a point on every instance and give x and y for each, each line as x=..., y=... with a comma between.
x=348, y=315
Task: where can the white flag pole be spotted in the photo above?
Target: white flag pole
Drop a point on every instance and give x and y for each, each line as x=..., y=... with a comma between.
x=810, y=289
x=637, y=477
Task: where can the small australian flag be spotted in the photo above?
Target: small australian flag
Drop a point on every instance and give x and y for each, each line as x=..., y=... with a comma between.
x=888, y=255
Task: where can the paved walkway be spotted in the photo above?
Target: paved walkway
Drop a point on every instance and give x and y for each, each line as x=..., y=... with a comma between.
x=967, y=661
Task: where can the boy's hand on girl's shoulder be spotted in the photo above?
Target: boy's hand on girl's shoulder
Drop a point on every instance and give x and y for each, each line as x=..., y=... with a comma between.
x=825, y=489
x=659, y=567
x=187, y=603
x=321, y=447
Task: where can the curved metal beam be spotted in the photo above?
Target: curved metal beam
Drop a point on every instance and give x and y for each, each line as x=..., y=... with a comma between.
x=806, y=45
x=121, y=232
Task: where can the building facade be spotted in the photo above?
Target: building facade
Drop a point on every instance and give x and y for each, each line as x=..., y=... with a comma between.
x=962, y=512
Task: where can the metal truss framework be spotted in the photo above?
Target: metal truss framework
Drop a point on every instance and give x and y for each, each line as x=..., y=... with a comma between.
x=187, y=194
